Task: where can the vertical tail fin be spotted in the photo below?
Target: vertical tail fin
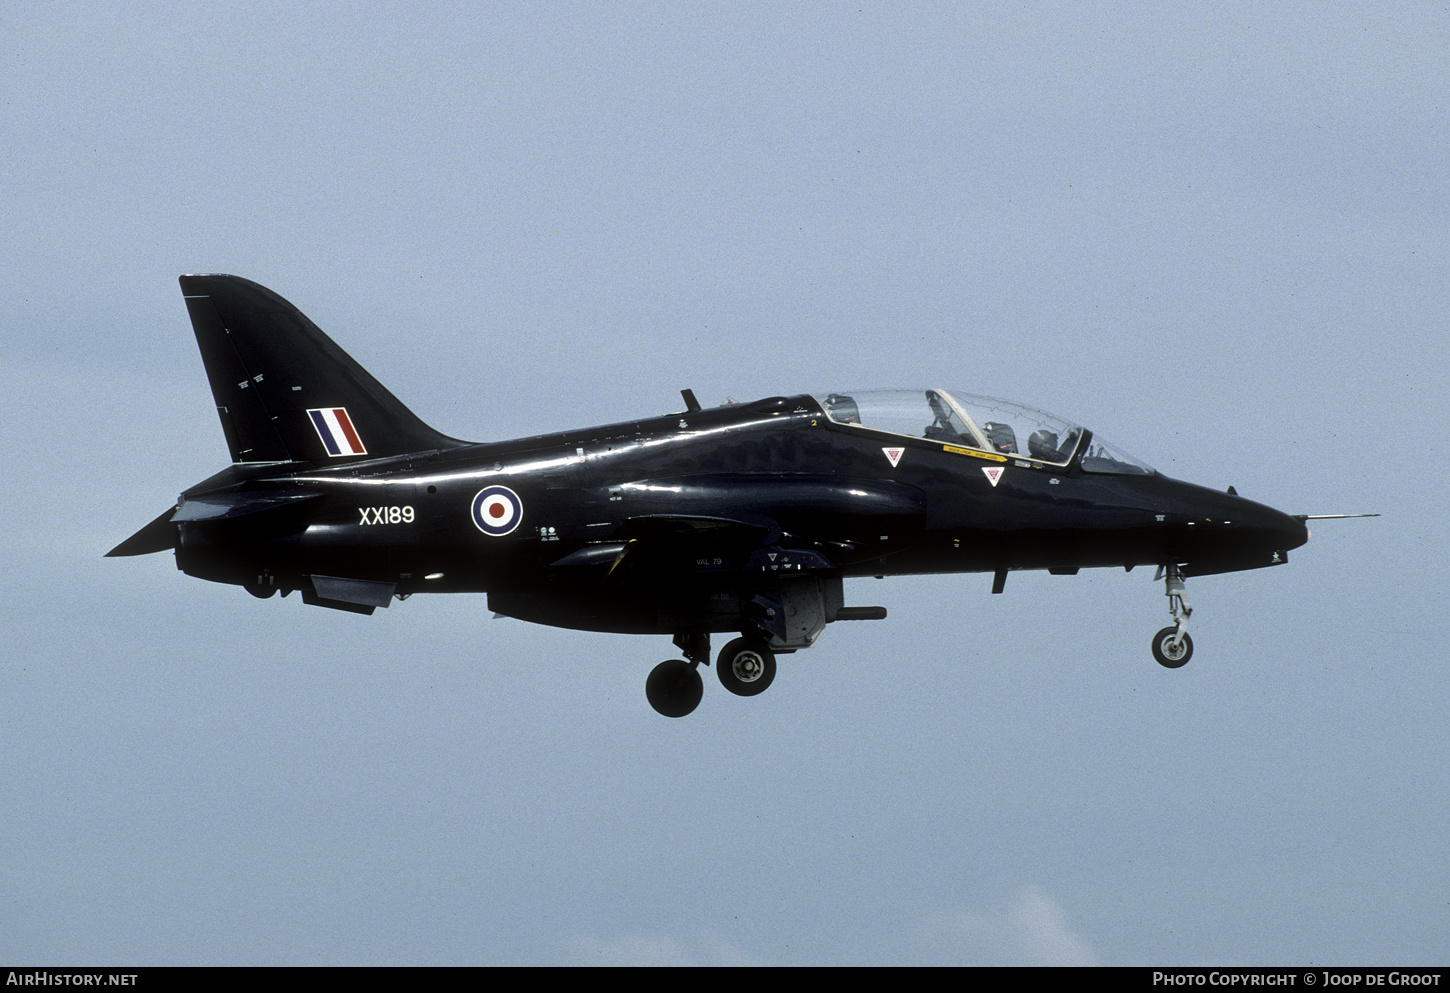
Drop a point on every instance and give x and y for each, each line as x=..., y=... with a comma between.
x=284, y=390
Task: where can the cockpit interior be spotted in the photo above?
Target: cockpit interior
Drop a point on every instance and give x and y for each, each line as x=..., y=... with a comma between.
x=986, y=424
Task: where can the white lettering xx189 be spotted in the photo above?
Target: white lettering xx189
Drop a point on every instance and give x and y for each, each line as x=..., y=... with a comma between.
x=385, y=515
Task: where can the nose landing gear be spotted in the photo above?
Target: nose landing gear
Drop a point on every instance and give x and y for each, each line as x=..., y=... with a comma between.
x=1172, y=647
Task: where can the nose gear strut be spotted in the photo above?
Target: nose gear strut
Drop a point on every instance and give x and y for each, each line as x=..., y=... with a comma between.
x=1172, y=647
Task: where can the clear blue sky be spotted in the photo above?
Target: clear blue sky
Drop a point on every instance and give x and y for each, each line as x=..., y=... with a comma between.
x=1215, y=235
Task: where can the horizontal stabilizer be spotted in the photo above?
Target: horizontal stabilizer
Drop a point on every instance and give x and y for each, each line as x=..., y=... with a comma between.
x=158, y=536
x=237, y=505
x=221, y=506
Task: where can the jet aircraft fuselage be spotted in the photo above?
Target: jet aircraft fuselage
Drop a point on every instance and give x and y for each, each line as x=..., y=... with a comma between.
x=739, y=518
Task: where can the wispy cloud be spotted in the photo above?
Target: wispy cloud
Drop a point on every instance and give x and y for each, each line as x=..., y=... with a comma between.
x=654, y=949
x=1033, y=930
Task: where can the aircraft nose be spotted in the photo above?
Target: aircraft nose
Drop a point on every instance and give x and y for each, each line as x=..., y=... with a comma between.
x=1291, y=532
x=1279, y=531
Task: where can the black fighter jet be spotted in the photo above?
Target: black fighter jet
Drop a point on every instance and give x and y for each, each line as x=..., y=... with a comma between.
x=742, y=518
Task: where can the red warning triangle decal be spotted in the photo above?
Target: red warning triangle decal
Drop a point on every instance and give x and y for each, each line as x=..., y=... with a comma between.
x=994, y=473
x=893, y=455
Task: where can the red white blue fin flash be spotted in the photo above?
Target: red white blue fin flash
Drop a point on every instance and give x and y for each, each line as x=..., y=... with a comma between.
x=335, y=429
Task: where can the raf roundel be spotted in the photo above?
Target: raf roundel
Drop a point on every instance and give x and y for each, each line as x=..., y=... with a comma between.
x=497, y=510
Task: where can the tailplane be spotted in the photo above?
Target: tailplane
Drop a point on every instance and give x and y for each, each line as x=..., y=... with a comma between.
x=285, y=391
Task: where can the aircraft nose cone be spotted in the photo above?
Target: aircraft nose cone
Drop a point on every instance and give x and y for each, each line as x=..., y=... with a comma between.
x=1298, y=533
x=1277, y=530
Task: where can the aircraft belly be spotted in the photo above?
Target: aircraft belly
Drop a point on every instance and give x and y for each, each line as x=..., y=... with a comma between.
x=788, y=612
x=624, y=608
x=987, y=550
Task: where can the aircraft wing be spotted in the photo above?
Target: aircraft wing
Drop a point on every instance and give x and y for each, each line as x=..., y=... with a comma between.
x=654, y=537
x=735, y=528
x=753, y=524
x=744, y=511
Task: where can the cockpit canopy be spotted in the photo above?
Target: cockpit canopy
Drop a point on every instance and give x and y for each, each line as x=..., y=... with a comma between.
x=985, y=424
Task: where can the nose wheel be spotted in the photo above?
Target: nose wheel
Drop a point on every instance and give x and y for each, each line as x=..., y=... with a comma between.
x=1172, y=647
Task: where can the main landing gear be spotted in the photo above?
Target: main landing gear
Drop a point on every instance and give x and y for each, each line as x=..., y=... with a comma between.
x=745, y=667
x=1171, y=646
x=674, y=688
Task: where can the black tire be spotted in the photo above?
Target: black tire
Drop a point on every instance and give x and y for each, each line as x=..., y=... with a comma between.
x=745, y=667
x=1168, y=654
x=674, y=688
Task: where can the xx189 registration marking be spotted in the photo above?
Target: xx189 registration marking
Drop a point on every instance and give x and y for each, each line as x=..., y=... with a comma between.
x=385, y=515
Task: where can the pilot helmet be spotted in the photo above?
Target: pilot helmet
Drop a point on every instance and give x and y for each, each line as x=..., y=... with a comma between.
x=843, y=409
x=1043, y=445
x=1001, y=436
